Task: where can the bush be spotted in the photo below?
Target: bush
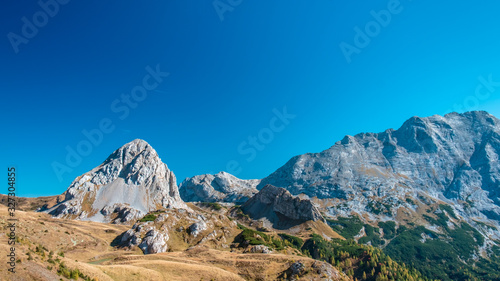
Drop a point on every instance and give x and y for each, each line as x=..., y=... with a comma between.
x=75, y=274
x=255, y=237
x=62, y=270
x=296, y=242
x=214, y=205
x=148, y=217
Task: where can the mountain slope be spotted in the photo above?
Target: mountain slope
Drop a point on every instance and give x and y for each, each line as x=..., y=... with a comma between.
x=131, y=182
x=60, y=249
x=431, y=187
x=452, y=158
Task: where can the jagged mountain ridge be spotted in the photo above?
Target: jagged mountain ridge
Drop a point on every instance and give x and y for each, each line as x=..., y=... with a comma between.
x=452, y=158
x=131, y=182
x=426, y=193
x=456, y=143
x=221, y=187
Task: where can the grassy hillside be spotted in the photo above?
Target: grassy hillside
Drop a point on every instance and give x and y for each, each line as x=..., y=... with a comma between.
x=59, y=249
x=451, y=252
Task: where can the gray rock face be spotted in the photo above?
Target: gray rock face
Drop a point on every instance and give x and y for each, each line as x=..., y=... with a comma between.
x=130, y=238
x=297, y=268
x=196, y=228
x=130, y=183
x=221, y=187
x=154, y=242
x=280, y=208
x=327, y=271
x=260, y=249
x=454, y=159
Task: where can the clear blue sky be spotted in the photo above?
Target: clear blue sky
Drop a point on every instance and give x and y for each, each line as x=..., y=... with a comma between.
x=229, y=68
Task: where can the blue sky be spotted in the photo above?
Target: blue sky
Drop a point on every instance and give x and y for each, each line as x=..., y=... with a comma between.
x=232, y=66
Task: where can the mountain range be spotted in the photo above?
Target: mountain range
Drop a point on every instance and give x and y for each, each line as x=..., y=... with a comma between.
x=426, y=194
x=451, y=159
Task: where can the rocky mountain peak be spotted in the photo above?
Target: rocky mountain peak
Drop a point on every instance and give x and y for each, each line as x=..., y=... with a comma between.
x=221, y=187
x=129, y=183
x=451, y=158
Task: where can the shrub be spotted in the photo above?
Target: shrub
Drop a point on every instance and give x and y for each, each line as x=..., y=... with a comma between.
x=214, y=205
x=296, y=242
x=148, y=217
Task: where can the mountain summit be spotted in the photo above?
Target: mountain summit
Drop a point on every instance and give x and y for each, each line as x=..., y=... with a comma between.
x=131, y=182
x=452, y=159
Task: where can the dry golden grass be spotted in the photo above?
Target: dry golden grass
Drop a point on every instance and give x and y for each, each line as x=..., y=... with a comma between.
x=86, y=247
x=31, y=204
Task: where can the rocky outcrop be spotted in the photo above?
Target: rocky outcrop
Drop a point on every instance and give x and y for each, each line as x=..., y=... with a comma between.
x=258, y=249
x=154, y=234
x=297, y=268
x=221, y=187
x=196, y=228
x=279, y=207
x=154, y=242
x=325, y=271
x=131, y=182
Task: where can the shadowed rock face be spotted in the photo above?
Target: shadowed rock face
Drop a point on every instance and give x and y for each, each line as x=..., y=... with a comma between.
x=130, y=183
x=280, y=208
x=221, y=187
